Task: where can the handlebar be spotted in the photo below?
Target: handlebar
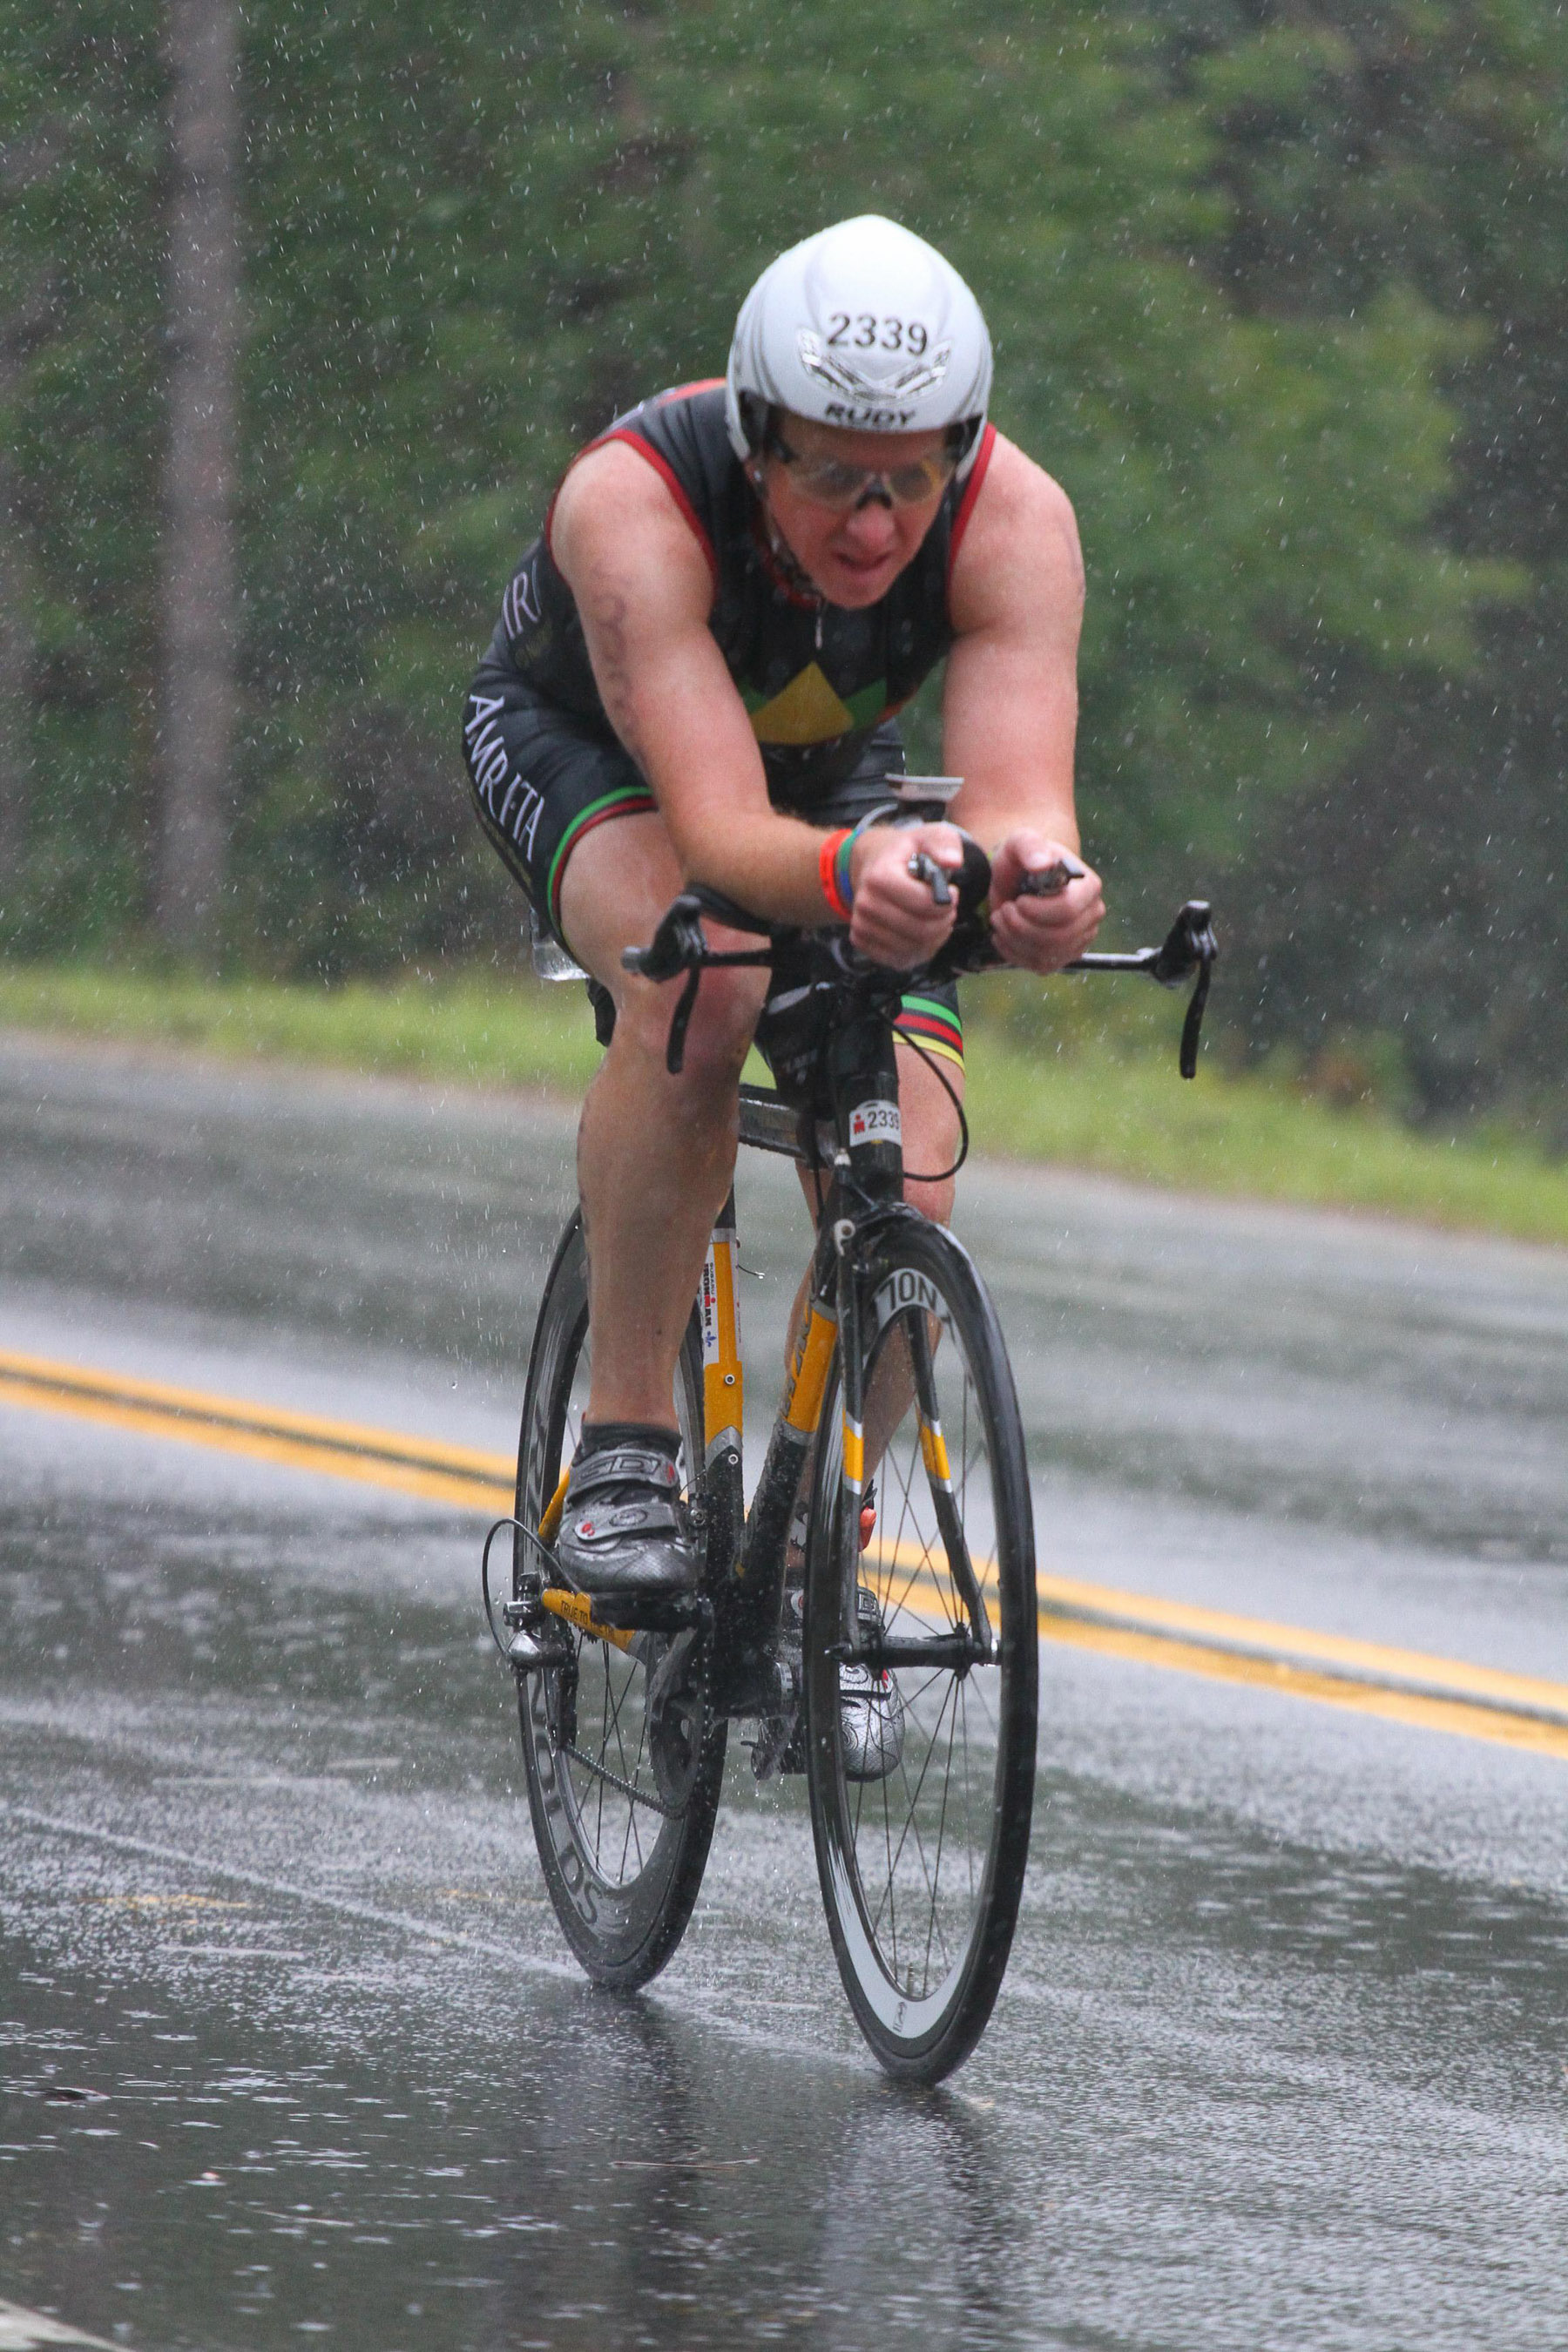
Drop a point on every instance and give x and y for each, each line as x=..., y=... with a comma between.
x=679, y=945
x=1188, y=946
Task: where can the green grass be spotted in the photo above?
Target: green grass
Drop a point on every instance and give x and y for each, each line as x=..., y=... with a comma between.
x=1089, y=1083
x=476, y=1028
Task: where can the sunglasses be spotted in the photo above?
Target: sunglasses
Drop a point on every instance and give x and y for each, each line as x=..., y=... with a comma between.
x=829, y=482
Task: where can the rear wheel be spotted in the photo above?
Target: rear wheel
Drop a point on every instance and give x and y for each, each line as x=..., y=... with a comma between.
x=623, y=1762
x=923, y=1774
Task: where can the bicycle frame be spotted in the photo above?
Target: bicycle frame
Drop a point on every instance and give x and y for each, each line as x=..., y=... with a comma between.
x=741, y=1602
x=746, y=1551
x=866, y=1190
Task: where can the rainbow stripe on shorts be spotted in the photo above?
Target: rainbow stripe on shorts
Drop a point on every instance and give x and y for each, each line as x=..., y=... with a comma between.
x=936, y=1028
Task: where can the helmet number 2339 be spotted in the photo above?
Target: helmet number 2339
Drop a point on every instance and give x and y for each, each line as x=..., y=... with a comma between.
x=891, y=334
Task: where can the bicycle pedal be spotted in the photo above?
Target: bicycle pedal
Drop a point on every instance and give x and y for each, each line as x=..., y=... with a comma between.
x=871, y=1718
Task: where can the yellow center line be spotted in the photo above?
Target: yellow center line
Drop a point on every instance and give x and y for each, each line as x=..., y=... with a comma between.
x=1089, y=1609
x=1393, y=1700
x=1337, y=1670
x=1402, y=1686
x=298, y=1441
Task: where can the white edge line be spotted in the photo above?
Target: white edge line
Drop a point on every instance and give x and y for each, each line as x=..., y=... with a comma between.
x=343, y=1904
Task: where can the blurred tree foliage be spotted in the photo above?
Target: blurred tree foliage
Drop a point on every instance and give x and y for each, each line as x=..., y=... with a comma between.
x=1372, y=151
x=1272, y=297
x=80, y=159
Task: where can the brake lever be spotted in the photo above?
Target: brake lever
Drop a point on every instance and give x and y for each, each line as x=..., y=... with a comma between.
x=679, y=1021
x=678, y=945
x=1189, y=946
x=1189, y=942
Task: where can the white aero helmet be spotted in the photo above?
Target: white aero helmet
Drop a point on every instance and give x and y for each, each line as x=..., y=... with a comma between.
x=863, y=325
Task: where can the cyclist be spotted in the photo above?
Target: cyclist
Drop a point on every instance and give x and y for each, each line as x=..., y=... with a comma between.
x=695, y=677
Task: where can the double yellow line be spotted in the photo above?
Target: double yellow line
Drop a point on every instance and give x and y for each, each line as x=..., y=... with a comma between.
x=1371, y=1677
x=299, y=1441
x=1401, y=1685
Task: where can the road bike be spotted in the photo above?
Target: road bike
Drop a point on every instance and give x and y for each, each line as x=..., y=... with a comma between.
x=873, y=1612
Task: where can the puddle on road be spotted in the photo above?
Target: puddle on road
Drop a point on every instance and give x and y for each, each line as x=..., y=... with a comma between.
x=586, y=2181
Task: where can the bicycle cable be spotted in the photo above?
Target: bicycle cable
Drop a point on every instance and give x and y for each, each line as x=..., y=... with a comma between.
x=933, y=1063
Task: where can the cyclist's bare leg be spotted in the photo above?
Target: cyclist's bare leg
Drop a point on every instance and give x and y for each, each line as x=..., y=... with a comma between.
x=931, y=1143
x=655, y=1153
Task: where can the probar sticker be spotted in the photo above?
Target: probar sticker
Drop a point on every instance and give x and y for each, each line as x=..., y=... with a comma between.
x=876, y=1122
x=708, y=1310
x=718, y=1308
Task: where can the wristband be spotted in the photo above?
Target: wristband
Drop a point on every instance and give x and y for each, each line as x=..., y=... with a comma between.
x=841, y=873
x=833, y=889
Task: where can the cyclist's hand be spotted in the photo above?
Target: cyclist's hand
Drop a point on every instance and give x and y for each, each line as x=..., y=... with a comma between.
x=894, y=918
x=1041, y=934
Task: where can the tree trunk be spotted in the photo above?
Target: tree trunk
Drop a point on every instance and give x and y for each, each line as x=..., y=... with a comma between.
x=16, y=657
x=23, y=164
x=200, y=685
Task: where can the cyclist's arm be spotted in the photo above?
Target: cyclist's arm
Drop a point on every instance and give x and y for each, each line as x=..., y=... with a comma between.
x=644, y=589
x=1010, y=705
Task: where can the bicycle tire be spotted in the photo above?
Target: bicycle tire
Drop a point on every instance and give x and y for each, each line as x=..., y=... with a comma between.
x=622, y=1864
x=921, y=1863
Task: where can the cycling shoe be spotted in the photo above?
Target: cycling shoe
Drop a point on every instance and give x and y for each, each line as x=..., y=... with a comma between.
x=623, y=1538
x=870, y=1709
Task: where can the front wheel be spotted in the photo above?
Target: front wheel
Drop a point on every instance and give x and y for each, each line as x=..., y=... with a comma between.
x=923, y=1772
x=622, y=1761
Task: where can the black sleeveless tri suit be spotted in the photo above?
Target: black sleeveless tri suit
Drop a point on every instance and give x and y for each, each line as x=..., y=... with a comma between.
x=822, y=685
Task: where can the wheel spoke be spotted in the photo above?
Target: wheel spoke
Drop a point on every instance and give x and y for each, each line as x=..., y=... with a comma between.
x=911, y=1821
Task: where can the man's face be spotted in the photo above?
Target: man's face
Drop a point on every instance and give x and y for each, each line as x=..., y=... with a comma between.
x=853, y=554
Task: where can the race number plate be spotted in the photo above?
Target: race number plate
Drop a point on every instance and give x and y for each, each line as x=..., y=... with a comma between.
x=874, y=1122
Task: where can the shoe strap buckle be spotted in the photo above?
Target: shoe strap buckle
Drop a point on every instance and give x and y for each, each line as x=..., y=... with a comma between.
x=623, y=1467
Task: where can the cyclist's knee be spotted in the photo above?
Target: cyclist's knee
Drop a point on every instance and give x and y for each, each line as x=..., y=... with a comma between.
x=932, y=1200
x=723, y=1022
x=719, y=1034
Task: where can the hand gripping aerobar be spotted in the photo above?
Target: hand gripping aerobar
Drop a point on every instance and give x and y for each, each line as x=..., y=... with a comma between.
x=679, y=945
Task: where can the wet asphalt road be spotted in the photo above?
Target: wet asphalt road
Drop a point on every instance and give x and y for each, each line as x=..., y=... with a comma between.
x=1280, y=2060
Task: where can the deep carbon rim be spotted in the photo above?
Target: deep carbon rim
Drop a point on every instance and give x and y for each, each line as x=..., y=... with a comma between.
x=622, y=1855
x=922, y=1866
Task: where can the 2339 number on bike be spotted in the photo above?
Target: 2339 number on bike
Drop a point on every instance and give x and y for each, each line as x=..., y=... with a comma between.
x=874, y=1122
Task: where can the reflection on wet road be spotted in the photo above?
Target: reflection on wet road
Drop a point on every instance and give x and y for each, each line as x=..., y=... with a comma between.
x=290, y=2044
